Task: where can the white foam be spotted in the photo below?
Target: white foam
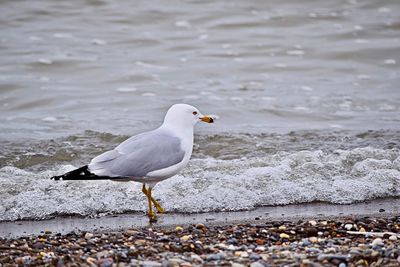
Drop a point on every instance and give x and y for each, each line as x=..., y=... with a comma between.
x=45, y=61
x=208, y=184
x=183, y=24
x=295, y=52
x=127, y=89
x=389, y=61
x=98, y=42
x=49, y=119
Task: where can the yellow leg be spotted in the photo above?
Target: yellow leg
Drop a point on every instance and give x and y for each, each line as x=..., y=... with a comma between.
x=156, y=204
x=151, y=214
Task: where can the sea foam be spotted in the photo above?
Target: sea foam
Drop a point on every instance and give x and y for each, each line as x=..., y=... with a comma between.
x=211, y=184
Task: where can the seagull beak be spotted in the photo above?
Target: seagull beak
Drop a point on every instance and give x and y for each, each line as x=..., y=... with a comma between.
x=207, y=119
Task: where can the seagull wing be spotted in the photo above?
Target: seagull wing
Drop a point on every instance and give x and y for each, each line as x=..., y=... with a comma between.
x=139, y=155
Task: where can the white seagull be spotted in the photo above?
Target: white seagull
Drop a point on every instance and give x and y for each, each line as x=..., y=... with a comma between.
x=149, y=157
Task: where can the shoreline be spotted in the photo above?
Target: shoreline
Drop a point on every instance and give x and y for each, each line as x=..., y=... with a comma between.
x=310, y=243
x=375, y=208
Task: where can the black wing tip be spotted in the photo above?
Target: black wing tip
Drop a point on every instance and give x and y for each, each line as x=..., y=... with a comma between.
x=57, y=178
x=81, y=173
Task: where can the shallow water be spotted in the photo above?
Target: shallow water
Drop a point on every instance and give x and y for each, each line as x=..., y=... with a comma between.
x=307, y=94
x=71, y=66
x=226, y=173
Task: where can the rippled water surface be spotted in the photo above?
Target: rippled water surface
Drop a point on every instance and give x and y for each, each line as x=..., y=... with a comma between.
x=307, y=93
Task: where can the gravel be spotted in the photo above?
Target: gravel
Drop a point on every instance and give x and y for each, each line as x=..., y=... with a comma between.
x=371, y=242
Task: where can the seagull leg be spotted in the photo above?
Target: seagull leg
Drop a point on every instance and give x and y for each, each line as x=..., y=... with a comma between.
x=150, y=214
x=157, y=205
x=155, y=202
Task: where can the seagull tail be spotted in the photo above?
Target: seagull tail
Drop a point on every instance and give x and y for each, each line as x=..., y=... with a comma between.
x=82, y=173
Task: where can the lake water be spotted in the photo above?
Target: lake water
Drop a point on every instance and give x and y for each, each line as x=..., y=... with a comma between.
x=308, y=95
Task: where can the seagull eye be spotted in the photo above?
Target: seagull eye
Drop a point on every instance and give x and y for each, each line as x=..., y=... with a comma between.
x=194, y=112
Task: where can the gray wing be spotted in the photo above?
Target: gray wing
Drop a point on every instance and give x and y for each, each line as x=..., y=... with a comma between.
x=139, y=155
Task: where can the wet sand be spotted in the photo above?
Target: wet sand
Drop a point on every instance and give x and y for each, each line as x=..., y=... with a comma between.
x=64, y=225
x=317, y=234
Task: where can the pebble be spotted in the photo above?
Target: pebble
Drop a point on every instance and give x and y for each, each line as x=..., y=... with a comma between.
x=151, y=264
x=256, y=264
x=215, y=257
x=348, y=226
x=200, y=226
x=186, y=238
x=88, y=235
x=324, y=243
x=313, y=239
x=312, y=223
x=283, y=235
x=377, y=242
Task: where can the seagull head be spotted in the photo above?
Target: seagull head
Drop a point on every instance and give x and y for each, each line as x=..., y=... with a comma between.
x=185, y=115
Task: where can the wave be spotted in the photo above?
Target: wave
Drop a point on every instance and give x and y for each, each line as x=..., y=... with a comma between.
x=208, y=183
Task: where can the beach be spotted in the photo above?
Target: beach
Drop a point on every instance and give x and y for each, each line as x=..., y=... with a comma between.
x=352, y=241
x=300, y=168
x=364, y=234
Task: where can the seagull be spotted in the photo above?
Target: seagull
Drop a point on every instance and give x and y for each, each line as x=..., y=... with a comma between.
x=149, y=157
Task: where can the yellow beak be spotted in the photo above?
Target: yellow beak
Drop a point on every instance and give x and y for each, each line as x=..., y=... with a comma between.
x=207, y=119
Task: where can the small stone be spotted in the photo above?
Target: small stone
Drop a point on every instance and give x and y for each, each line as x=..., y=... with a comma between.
x=264, y=256
x=178, y=229
x=260, y=241
x=283, y=235
x=185, y=238
x=107, y=262
x=200, y=226
x=282, y=228
x=313, y=239
x=232, y=241
x=342, y=265
x=381, y=210
x=38, y=245
x=393, y=238
x=348, y=226
x=362, y=230
x=150, y=264
x=377, y=242
x=131, y=232
x=140, y=242
x=242, y=254
x=312, y=222
x=88, y=235
x=174, y=262
x=196, y=257
x=235, y=264
x=362, y=262
x=216, y=257
x=185, y=264
x=311, y=231
x=375, y=254
x=102, y=254
x=260, y=248
x=256, y=264
x=254, y=257
x=91, y=261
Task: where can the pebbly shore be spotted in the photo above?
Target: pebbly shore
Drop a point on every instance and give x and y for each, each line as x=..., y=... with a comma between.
x=362, y=241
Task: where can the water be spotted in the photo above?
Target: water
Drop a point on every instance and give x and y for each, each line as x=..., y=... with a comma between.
x=307, y=92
